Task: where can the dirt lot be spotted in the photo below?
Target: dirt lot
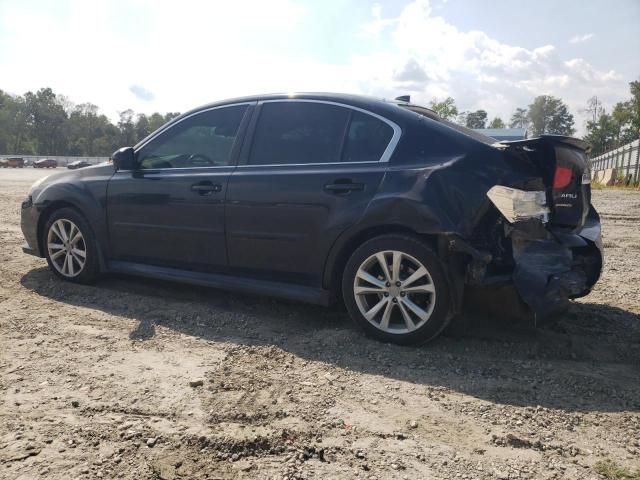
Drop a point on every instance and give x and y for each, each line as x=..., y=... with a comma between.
x=137, y=379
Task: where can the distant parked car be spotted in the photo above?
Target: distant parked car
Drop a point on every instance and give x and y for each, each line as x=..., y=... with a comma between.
x=15, y=162
x=45, y=163
x=78, y=164
x=4, y=163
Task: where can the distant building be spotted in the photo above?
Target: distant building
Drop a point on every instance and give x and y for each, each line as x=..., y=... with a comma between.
x=501, y=134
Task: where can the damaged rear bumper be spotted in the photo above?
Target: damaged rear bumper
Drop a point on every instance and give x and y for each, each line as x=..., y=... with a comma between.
x=553, y=266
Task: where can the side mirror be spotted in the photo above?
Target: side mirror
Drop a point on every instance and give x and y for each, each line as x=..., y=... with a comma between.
x=124, y=159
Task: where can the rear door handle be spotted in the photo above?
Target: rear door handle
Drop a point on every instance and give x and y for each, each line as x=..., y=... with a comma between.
x=343, y=187
x=206, y=188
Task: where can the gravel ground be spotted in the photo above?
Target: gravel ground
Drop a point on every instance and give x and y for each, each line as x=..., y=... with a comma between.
x=131, y=378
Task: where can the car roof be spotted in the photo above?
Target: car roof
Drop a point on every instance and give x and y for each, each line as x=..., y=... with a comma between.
x=397, y=109
x=370, y=103
x=341, y=97
x=385, y=107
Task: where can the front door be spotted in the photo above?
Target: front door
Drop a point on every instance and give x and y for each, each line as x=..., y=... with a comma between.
x=169, y=211
x=312, y=169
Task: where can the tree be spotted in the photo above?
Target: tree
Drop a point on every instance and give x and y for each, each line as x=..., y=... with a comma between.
x=633, y=106
x=170, y=116
x=142, y=127
x=14, y=126
x=127, y=128
x=519, y=119
x=594, y=108
x=477, y=119
x=608, y=131
x=47, y=120
x=446, y=109
x=548, y=114
x=602, y=134
x=156, y=120
x=497, y=123
x=47, y=123
x=627, y=115
x=623, y=118
x=83, y=129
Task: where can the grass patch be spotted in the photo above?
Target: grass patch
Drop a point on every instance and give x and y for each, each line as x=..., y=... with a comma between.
x=612, y=471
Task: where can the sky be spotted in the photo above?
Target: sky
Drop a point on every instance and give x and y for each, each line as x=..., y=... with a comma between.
x=154, y=55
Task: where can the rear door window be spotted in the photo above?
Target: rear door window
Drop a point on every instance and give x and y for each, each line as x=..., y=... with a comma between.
x=367, y=139
x=289, y=133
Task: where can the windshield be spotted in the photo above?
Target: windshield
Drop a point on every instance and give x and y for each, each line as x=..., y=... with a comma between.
x=434, y=116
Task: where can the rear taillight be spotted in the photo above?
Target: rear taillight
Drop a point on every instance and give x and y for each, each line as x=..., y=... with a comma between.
x=562, y=177
x=517, y=205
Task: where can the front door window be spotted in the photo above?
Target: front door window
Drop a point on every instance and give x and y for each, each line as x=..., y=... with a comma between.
x=202, y=140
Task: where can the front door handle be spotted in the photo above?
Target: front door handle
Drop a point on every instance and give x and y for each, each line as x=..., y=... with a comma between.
x=343, y=186
x=206, y=188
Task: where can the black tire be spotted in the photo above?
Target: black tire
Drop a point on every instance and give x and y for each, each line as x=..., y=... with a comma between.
x=91, y=268
x=412, y=246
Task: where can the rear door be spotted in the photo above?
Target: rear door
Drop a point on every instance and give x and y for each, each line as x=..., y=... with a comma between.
x=309, y=173
x=169, y=211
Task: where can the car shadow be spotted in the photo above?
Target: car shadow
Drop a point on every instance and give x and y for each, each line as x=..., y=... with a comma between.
x=588, y=361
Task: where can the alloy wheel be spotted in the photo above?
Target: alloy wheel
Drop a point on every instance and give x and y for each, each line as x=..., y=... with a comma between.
x=67, y=248
x=394, y=292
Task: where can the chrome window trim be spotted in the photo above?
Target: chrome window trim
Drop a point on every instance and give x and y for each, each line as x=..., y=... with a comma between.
x=386, y=155
x=370, y=162
x=166, y=128
x=152, y=170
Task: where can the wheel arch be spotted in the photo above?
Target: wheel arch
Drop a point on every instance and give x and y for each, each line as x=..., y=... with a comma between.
x=344, y=248
x=53, y=207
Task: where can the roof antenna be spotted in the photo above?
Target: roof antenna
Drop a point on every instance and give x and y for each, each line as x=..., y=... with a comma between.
x=404, y=98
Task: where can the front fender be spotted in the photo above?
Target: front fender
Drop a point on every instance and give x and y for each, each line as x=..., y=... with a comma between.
x=84, y=190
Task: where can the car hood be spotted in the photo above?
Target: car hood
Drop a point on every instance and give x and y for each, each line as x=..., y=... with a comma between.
x=101, y=169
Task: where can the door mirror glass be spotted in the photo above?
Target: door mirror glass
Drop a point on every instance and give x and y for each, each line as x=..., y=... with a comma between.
x=124, y=159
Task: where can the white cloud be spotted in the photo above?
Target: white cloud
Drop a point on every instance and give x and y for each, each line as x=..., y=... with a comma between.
x=142, y=93
x=480, y=71
x=377, y=25
x=581, y=38
x=186, y=53
x=192, y=52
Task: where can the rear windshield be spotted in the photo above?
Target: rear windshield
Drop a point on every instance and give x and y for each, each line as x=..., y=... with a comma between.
x=433, y=116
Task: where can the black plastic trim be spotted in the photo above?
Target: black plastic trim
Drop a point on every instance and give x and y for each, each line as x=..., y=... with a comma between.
x=225, y=282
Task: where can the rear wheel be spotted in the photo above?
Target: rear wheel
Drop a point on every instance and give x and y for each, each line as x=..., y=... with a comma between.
x=70, y=246
x=395, y=289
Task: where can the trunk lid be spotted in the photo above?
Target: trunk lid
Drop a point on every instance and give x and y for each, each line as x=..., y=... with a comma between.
x=564, y=167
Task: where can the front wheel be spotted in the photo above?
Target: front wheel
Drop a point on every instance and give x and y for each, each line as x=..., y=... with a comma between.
x=70, y=246
x=395, y=289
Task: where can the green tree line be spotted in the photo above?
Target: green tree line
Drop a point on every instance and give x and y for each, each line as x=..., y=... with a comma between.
x=609, y=130
x=46, y=123
x=550, y=115
x=545, y=115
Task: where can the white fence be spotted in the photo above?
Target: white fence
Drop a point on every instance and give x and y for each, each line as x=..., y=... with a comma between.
x=622, y=164
x=62, y=161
